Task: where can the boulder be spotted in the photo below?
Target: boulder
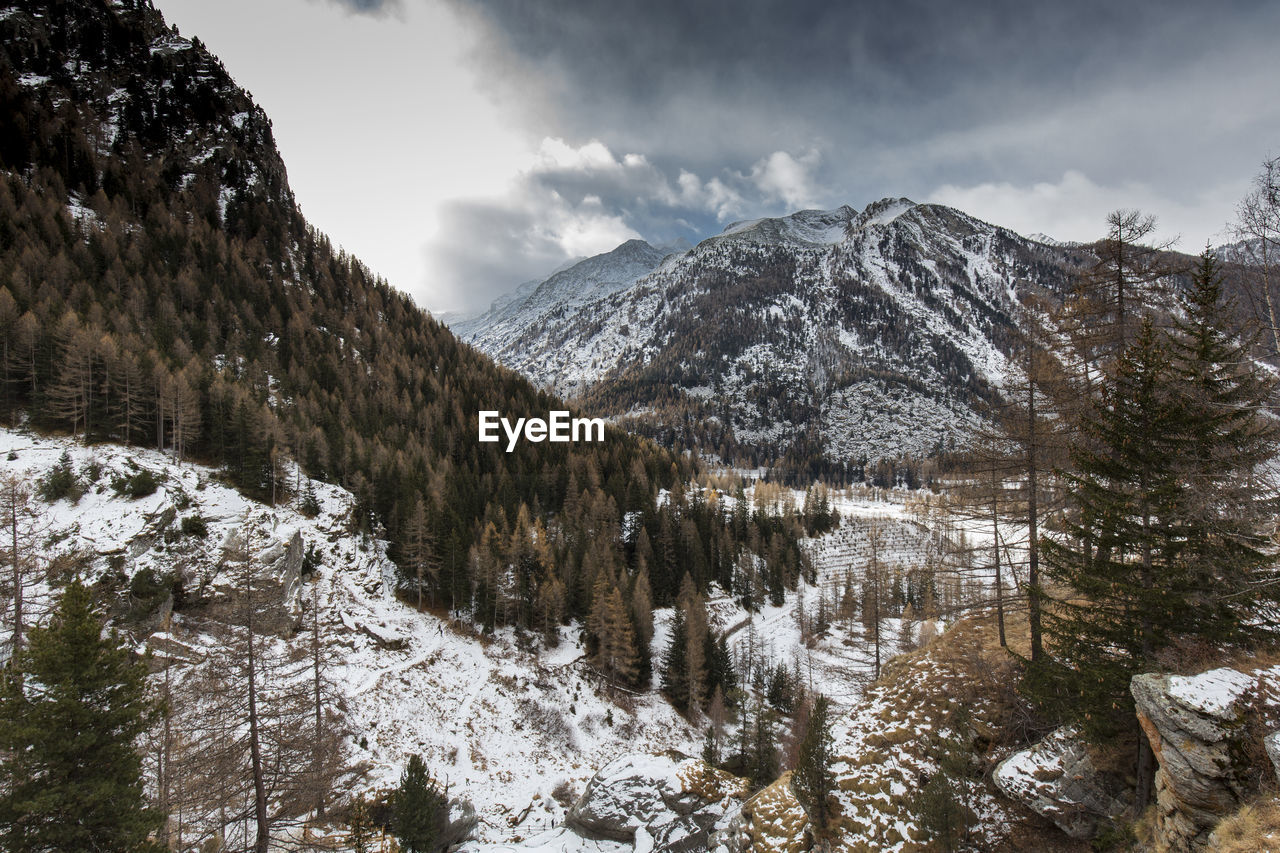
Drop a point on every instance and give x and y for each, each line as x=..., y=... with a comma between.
x=672, y=797
x=274, y=561
x=1193, y=723
x=1056, y=779
x=1272, y=744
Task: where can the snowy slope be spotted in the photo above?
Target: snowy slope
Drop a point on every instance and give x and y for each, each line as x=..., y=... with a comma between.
x=513, y=316
x=515, y=730
x=504, y=725
x=875, y=331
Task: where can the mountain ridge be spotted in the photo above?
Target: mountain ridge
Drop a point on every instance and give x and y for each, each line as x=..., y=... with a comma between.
x=867, y=334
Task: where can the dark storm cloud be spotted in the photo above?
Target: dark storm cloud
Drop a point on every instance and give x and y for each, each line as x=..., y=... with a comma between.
x=743, y=109
x=745, y=78
x=368, y=7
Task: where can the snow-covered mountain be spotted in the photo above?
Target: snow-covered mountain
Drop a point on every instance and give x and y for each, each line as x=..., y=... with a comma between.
x=864, y=334
x=514, y=318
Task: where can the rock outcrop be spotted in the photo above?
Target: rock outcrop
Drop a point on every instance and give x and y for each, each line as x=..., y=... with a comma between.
x=1194, y=724
x=666, y=803
x=271, y=562
x=1057, y=779
x=772, y=820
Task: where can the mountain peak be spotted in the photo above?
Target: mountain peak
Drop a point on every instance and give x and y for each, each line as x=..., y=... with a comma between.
x=817, y=227
x=885, y=211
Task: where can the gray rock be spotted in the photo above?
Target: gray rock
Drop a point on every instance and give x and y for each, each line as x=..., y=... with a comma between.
x=274, y=565
x=1192, y=724
x=1272, y=743
x=1056, y=779
x=675, y=798
x=692, y=833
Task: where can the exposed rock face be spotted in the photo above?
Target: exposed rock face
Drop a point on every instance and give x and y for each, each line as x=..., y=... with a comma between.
x=1272, y=744
x=674, y=801
x=1193, y=722
x=1056, y=779
x=274, y=563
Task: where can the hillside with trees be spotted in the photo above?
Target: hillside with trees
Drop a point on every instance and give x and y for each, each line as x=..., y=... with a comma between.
x=159, y=287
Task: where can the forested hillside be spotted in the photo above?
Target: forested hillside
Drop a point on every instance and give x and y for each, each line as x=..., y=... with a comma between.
x=158, y=286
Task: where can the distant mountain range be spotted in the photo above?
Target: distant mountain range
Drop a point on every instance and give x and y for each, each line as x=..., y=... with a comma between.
x=827, y=337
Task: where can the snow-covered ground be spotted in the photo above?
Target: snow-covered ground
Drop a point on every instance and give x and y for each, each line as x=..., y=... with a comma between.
x=515, y=729
x=503, y=725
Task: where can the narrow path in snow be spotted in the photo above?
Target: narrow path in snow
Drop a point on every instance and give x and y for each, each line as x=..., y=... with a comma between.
x=392, y=670
x=462, y=751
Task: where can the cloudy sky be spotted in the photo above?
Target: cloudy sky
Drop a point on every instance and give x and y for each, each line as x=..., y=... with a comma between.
x=460, y=147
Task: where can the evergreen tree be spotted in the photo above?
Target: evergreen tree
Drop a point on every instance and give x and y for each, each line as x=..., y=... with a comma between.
x=943, y=803
x=813, y=780
x=419, y=810
x=71, y=710
x=1227, y=502
x=1121, y=555
x=674, y=675
x=762, y=760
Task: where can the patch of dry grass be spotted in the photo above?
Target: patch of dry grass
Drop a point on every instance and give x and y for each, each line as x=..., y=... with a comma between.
x=776, y=822
x=1255, y=828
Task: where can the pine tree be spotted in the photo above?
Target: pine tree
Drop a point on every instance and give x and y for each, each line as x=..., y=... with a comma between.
x=674, y=675
x=763, y=757
x=943, y=803
x=68, y=728
x=419, y=809
x=813, y=780
x=1120, y=558
x=1227, y=501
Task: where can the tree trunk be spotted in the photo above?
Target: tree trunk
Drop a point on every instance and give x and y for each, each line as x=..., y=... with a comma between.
x=995, y=550
x=1033, y=545
x=1146, y=774
x=318, y=745
x=16, y=558
x=255, y=740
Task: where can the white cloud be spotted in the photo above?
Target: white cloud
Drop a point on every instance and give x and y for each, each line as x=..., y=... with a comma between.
x=781, y=176
x=569, y=201
x=1075, y=208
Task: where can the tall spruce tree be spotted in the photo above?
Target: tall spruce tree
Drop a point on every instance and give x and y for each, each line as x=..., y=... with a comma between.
x=1228, y=500
x=419, y=809
x=70, y=771
x=813, y=779
x=1127, y=593
x=674, y=675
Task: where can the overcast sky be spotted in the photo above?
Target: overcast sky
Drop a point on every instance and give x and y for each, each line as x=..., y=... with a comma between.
x=460, y=147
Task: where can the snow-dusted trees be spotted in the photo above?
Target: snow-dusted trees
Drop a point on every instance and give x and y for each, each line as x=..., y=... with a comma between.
x=1258, y=224
x=251, y=743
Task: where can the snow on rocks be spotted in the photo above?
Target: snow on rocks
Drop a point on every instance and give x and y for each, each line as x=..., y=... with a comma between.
x=1057, y=779
x=1195, y=724
x=654, y=792
x=1214, y=692
x=773, y=821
